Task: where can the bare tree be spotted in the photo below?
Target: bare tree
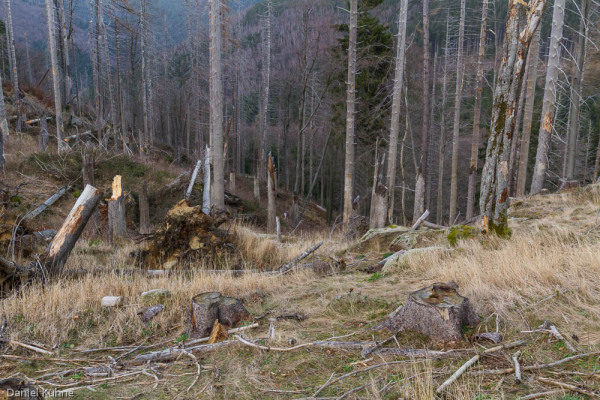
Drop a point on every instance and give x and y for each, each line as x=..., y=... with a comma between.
x=396, y=104
x=419, y=206
x=271, y=195
x=3, y=126
x=216, y=106
x=456, y=127
x=532, y=65
x=350, y=107
x=145, y=101
x=442, y=148
x=13, y=57
x=576, y=84
x=522, y=22
x=477, y=114
x=266, y=77
x=547, y=122
x=50, y=12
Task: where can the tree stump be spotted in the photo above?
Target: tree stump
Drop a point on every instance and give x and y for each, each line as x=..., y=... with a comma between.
x=437, y=311
x=117, y=225
x=210, y=307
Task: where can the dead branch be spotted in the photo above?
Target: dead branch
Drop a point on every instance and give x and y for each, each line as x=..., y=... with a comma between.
x=569, y=387
x=51, y=200
x=325, y=344
x=473, y=360
x=284, y=269
x=515, y=360
x=420, y=220
x=537, y=366
x=540, y=395
x=26, y=346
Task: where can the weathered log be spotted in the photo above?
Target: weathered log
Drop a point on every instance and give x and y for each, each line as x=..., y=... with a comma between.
x=144, y=211
x=210, y=307
x=117, y=225
x=437, y=311
x=148, y=313
x=66, y=237
x=188, y=192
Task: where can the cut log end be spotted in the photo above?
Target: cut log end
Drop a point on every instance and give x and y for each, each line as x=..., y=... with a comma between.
x=209, y=307
x=437, y=311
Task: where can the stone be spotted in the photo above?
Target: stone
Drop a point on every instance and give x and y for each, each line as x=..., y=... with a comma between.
x=112, y=301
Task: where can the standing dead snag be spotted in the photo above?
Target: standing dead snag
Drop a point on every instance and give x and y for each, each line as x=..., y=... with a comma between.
x=209, y=307
x=522, y=22
x=271, y=192
x=117, y=225
x=437, y=311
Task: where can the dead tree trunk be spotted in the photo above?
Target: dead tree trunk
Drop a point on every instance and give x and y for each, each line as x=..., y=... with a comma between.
x=50, y=13
x=494, y=201
x=350, y=106
x=117, y=226
x=378, y=192
x=206, y=199
x=532, y=64
x=216, y=107
x=547, y=122
x=271, y=192
x=576, y=84
x=87, y=167
x=144, y=211
x=477, y=115
x=256, y=188
x=13, y=57
x=437, y=311
x=419, y=206
x=456, y=127
x=396, y=104
x=232, y=182
x=3, y=127
x=442, y=148
x=265, y=106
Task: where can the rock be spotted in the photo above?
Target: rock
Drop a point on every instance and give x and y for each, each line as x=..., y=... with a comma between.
x=112, y=301
x=399, y=260
x=148, y=313
x=437, y=311
x=156, y=296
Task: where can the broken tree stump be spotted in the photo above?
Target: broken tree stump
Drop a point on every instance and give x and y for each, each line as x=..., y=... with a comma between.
x=144, y=211
x=209, y=307
x=117, y=224
x=437, y=311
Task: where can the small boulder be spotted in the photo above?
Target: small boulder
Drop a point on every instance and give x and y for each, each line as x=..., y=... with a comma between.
x=156, y=296
x=112, y=301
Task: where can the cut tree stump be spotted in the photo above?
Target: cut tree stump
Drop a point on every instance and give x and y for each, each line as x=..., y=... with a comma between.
x=209, y=307
x=437, y=311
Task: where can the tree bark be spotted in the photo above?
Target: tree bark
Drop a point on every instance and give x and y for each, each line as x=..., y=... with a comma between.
x=145, y=227
x=13, y=57
x=216, y=106
x=456, y=127
x=271, y=192
x=521, y=24
x=50, y=12
x=265, y=111
x=442, y=148
x=206, y=189
x=396, y=104
x=378, y=192
x=419, y=206
x=576, y=84
x=117, y=225
x=477, y=114
x=531, y=65
x=547, y=122
x=350, y=107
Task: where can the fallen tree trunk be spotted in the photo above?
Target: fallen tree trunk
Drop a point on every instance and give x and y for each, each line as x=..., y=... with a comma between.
x=53, y=260
x=42, y=207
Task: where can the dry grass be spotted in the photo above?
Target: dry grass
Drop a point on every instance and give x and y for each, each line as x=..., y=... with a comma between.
x=554, y=250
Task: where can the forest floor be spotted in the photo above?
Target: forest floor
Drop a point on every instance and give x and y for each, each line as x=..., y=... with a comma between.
x=549, y=270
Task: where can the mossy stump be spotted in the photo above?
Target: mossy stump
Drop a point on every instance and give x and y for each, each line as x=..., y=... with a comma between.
x=437, y=311
x=209, y=307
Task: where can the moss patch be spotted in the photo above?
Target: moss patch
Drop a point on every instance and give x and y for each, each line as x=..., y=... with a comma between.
x=460, y=232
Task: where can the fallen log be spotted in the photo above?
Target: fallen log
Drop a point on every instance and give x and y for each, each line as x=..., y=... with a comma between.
x=301, y=257
x=188, y=192
x=51, y=200
x=53, y=260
